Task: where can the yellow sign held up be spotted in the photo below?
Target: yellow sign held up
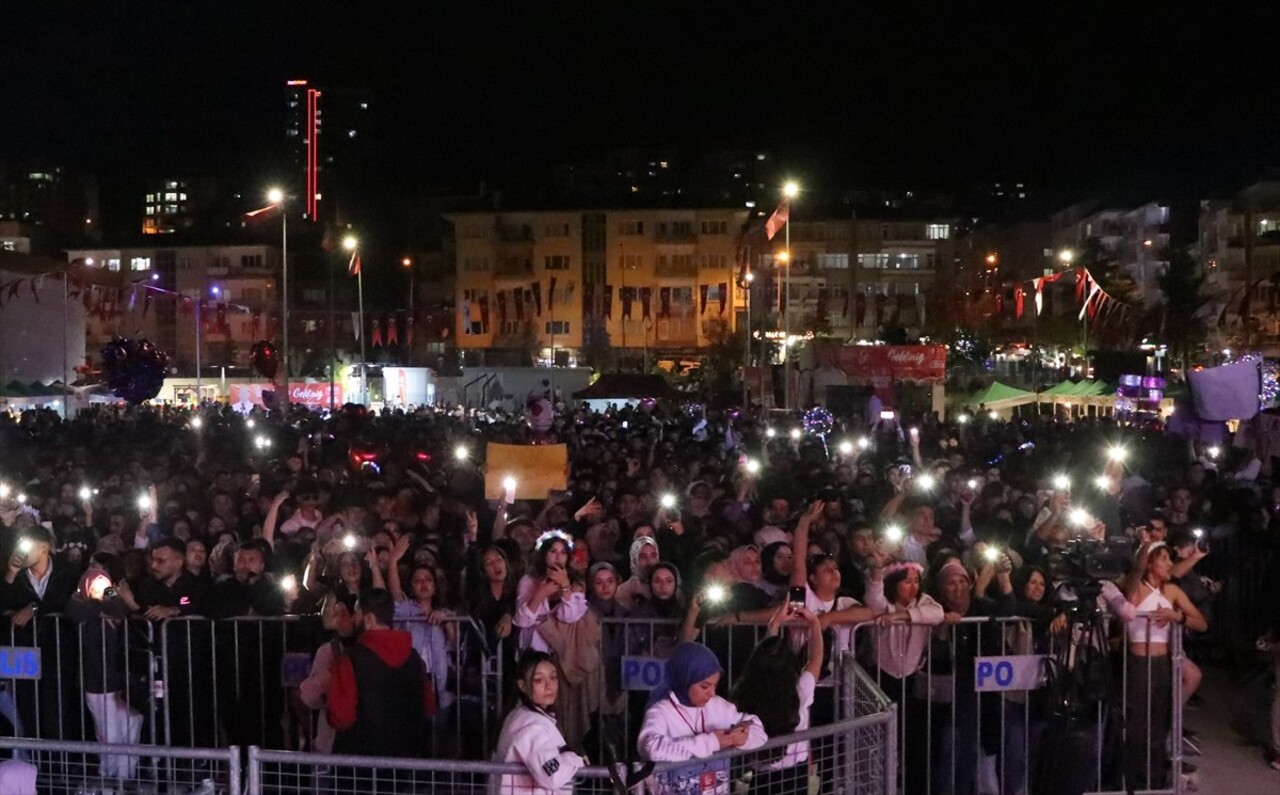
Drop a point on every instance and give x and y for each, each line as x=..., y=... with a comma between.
x=536, y=468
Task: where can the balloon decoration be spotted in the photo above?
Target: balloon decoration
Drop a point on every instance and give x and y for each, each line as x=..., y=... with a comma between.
x=818, y=421
x=539, y=414
x=266, y=360
x=134, y=369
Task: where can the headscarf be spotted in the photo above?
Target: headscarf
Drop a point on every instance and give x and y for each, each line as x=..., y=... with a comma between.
x=688, y=664
x=637, y=545
x=605, y=606
x=735, y=562
x=666, y=608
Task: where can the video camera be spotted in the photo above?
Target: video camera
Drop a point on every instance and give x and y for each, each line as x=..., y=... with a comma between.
x=1086, y=560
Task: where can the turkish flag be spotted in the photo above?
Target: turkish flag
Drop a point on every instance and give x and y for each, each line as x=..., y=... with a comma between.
x=779, y=219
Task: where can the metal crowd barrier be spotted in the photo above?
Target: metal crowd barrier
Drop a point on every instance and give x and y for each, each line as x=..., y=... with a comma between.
x=979, y=708
x=78, y=768
x=777, y=768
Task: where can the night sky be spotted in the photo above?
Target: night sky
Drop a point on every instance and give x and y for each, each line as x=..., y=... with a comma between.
x=1089, y=98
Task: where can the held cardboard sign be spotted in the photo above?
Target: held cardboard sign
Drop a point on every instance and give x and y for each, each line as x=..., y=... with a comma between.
x=537, y=469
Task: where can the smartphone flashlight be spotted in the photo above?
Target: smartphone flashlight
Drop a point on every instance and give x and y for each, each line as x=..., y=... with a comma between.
x=887, y=414
x=349, y=541
x=963, y=419
x=461, y=453
x=925, y=482
x=893, y=534
x=864, y=443
x=1103, y=482
x=1214, y=451
x=714, y=594
x=4, y=490
x=24, y=546
x=991, y=553
x=795, y=433
x=249, y=423
x=1079, y=517
x=86, y=493
x=288, y=582
x=668, y=501
x=972, y=484
x=770, y=432
x=509, y=483
x=1117, y=454
x=97, y=587
x=197, y=423
x=1061, y=482
x=752, y=466
x=144, y=502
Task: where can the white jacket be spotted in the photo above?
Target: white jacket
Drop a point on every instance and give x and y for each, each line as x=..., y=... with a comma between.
x=672, y=731
x=531, y=738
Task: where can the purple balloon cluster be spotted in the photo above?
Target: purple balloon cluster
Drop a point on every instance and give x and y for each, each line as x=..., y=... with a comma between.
x=134, y=369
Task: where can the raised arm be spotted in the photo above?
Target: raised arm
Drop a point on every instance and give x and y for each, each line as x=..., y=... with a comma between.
x=800, y=544
x=273, y=517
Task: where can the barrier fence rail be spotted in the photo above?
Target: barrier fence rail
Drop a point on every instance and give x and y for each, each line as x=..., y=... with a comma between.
x=980, y=701
x=974, y=692
x=81, y=768
x=816, y=760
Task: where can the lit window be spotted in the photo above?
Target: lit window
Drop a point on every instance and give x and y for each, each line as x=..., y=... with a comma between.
x=938, y=231
x=140, y=264
x=113, y=264
x=833, y=261
x=557, y=327
x=151, y=197
x=8, y=245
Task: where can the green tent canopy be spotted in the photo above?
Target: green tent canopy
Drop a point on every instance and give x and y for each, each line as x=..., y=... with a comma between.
x=1000, y=394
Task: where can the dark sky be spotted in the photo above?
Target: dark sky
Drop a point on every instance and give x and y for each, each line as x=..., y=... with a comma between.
x=1072, y=97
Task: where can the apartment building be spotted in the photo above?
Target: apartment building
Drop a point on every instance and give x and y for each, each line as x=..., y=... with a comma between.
x=1239, y=255
x=235, y=285
x=540, y=283
x=1131, y=239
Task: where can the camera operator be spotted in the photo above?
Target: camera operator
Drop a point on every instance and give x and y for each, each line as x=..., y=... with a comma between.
x=111, y=686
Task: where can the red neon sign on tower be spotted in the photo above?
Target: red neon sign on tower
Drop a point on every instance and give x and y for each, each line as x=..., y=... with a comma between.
x=313, y=153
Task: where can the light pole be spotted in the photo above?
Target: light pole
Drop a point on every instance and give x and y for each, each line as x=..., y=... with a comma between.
x=747, y=279
x=349, y=243
x=276, y=197
x=199, y=384
x=1066, y=257
x=789, y=192
x=407, y=264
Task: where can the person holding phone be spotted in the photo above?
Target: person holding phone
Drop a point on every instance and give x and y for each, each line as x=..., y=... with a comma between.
x=546, y=590
x=686, y=720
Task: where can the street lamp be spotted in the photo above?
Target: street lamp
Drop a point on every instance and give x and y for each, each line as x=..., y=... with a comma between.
x=276, y=197
x=790, y=190
x=1066, y=256
x=350, y=243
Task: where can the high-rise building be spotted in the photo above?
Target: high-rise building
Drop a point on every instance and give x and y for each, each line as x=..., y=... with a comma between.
x=177, y=205
x=326, y=130
x=61, y=206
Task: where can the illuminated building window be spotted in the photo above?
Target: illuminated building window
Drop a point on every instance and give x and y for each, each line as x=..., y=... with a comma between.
x=113, y=264
x=140, y=264
x=557, y=327
x=938, y=231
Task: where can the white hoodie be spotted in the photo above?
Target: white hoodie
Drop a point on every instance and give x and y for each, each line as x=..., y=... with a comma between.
x=673, y=732
x=531, y=738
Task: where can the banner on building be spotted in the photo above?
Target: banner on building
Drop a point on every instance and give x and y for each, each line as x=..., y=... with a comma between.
x=882, y=365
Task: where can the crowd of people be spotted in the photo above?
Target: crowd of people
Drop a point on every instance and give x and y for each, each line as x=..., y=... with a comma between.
x=687, y=535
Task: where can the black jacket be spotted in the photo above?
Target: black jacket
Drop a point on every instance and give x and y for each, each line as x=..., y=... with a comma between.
x=63, y=581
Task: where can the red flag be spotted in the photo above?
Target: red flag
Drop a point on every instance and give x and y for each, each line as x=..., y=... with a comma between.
x=353, y=267
x=376, y=337
x=393, y=331
x=408, y=331
x=1082, y=280
x=1019, y=296
x=778, y=219
x=329, y=241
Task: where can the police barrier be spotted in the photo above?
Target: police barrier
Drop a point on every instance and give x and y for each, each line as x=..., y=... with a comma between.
x=817, y=760
x=76, y=768
x=979, y=709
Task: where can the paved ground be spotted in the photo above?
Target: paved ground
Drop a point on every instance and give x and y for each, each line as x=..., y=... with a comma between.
x=1230, y=765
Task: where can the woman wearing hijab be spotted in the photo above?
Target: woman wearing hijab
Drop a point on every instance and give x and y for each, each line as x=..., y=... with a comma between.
x=687, y=720
x=748, y=591
x=530, y=736
x=644, y=556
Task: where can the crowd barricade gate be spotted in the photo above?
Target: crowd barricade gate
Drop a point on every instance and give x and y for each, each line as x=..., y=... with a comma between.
x=977, y=704
x=830, y=767
x=73, y=768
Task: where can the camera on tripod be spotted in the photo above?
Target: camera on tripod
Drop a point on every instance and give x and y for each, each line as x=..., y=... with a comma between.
x=1090, y=560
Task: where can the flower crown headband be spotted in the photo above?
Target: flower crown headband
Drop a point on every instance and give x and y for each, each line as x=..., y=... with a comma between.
x=552, y=535
x=904, y=565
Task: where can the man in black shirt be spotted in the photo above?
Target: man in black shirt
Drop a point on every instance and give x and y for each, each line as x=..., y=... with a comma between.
x=170, y=591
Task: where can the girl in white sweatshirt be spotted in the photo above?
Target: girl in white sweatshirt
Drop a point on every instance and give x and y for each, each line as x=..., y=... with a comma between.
x=687, y=720
x=531, y=738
